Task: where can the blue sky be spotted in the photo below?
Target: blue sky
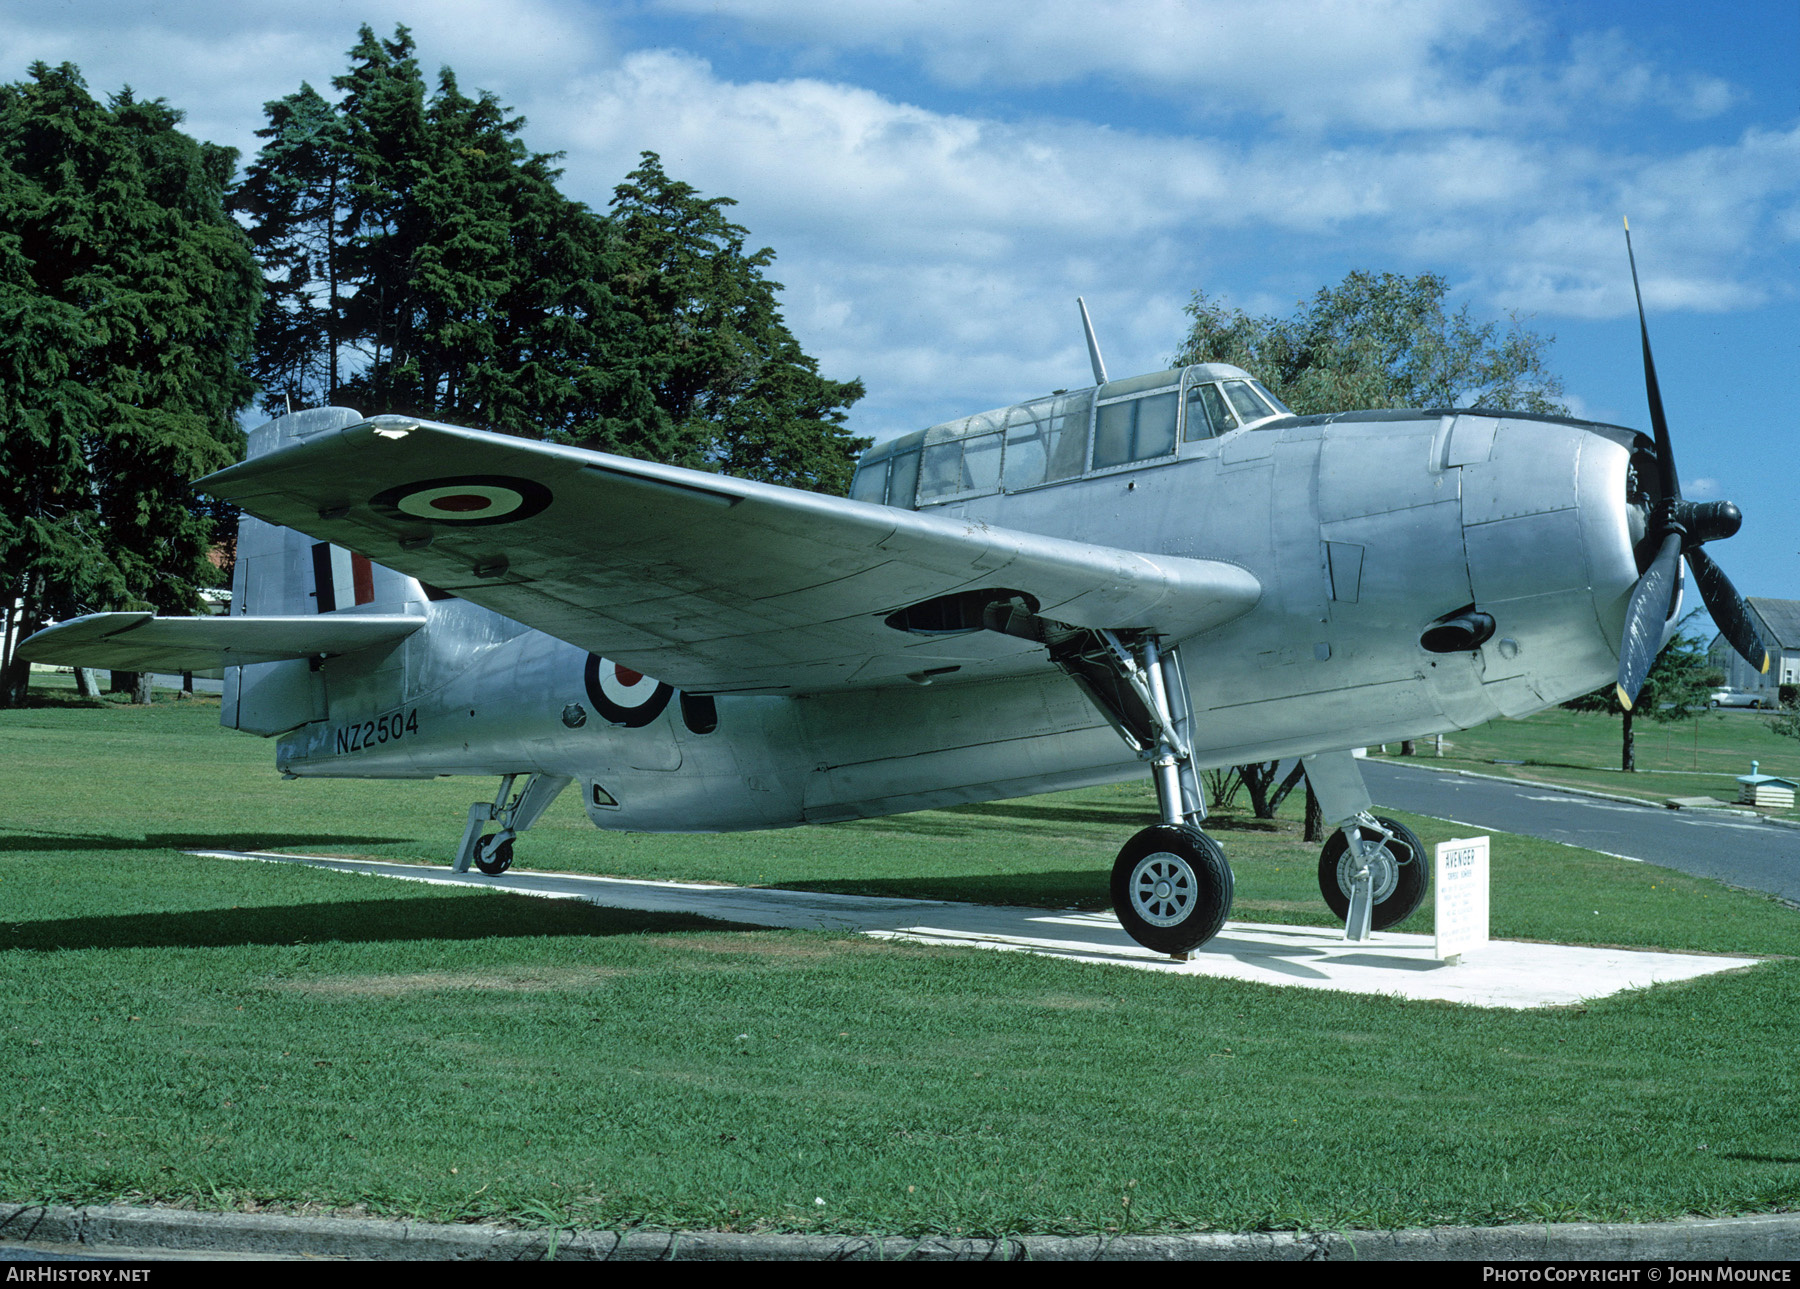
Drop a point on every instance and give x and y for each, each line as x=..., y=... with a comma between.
x=940, y=180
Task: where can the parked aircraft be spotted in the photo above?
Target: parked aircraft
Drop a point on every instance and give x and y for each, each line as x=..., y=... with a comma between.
x=1158, y=574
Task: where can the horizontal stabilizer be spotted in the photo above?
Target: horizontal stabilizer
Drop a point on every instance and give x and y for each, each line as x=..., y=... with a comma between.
x=144, y=642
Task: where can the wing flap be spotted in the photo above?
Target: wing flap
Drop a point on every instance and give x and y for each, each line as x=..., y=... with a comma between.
x=144, y=642
x=710, y=583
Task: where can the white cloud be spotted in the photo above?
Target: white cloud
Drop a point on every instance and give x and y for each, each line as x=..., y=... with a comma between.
x=220, y=61
x=1380, y=65
x=1383, y=63
x=1603, y=69
x=938, y=254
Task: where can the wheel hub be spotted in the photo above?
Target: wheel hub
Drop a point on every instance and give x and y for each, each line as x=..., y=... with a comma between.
x=1163, y=889
x=1383, y=868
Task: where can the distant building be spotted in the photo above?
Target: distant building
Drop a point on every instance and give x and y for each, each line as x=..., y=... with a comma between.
x=1779, y=622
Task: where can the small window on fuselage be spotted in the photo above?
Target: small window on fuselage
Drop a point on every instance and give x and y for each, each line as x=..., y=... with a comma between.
x=1135, y=429
x=870, y=483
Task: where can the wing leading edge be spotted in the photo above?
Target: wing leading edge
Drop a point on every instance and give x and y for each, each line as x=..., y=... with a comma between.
x=710, y=583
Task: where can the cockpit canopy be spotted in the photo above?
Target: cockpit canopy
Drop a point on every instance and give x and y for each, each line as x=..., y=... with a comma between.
x=1122, y=424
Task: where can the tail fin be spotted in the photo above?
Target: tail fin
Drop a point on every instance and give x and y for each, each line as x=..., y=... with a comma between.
x=281, y=572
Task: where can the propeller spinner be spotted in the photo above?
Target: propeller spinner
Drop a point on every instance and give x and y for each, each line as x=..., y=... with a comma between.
x=1678, y=528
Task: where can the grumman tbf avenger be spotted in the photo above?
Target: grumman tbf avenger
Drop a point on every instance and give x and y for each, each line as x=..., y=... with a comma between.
x=1166, y=573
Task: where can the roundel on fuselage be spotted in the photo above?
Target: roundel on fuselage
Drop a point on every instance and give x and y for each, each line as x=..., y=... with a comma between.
x=623, y=696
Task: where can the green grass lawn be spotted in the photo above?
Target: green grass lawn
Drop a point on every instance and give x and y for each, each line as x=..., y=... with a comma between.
x=234, y=1035
x=1701, y=756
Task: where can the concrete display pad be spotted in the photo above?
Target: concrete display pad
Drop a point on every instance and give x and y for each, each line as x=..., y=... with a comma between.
x=1500, y=974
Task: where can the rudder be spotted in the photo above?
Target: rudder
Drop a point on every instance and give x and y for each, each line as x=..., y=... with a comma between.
x=281, y=572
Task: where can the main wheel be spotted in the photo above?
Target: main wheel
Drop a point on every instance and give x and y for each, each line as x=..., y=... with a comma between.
x=1401, y=874
x=1171, y=888
x=493, y=859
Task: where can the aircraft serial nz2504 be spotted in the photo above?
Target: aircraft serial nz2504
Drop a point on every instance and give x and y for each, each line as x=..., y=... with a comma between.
x=1168, y=572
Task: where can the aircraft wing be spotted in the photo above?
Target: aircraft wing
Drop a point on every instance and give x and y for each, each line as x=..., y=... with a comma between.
x=710, y=583
x=144, y=642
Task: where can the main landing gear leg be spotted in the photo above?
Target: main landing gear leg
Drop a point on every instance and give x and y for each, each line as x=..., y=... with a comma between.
x=1372, y=872
x=493, y=853
x=1171, y=886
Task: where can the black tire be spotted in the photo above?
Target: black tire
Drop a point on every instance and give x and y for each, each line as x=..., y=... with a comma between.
x=1171, y=888
x=491, y=859
x=1398, y=893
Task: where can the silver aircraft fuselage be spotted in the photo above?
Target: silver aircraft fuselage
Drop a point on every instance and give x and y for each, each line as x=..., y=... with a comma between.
x=1363, y=529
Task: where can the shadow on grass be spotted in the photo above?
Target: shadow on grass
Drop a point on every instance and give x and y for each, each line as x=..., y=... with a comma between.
x=189, y=841
x=1127, y=818
x=1080, y=888
x=1126, y=814
x=66, y=699
x=356, y=922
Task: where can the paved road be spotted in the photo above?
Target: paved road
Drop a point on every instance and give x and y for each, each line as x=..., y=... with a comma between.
x=1707, y=843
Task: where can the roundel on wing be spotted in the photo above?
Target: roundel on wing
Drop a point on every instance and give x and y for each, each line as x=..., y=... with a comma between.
x=623, y=696
x=464, y=500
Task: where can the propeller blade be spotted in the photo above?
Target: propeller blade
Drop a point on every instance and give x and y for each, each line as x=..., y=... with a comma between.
x=1665, y=452
x=1645, y=617
x=1728, y=609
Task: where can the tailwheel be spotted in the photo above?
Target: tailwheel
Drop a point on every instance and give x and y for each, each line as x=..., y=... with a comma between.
x=494, y=854
x=1399, y=869
x=1171, y=888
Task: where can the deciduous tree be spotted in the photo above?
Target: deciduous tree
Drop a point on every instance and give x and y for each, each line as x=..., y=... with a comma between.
x=1379, y=340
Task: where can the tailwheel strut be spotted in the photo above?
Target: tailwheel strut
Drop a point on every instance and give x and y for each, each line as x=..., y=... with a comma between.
x=1373, y=873
x=492, y=853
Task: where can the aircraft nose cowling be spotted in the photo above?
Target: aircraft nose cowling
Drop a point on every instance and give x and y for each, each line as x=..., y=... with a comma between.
x=1547, y=531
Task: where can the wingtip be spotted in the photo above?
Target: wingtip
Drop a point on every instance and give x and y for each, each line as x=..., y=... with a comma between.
x=1627, y=219
x=1764, y=669
x=1623, y=697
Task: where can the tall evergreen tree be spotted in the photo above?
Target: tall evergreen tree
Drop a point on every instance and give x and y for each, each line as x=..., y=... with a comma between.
x=742, y=395
x=1378, y=340
x=294, y=197
x=127, y=307
x=383, y=111
x=467, y=288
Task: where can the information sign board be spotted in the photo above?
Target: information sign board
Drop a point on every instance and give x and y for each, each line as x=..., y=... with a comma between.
x=1462, y=896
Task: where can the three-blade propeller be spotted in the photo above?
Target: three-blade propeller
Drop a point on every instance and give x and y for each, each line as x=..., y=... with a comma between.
x=1679, y=528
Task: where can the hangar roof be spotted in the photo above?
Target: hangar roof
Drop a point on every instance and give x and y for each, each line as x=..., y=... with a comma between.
x=1781, y=617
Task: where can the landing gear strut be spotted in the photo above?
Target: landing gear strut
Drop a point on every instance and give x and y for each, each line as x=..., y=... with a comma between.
x=1373, y=872
x=1398, y=876
x=1171, y=886
x=493, y=853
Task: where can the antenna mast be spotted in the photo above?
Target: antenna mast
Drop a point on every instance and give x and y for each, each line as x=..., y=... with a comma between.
x=1087, y=326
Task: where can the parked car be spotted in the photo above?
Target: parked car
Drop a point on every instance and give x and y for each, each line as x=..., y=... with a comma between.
x=1738, y=698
